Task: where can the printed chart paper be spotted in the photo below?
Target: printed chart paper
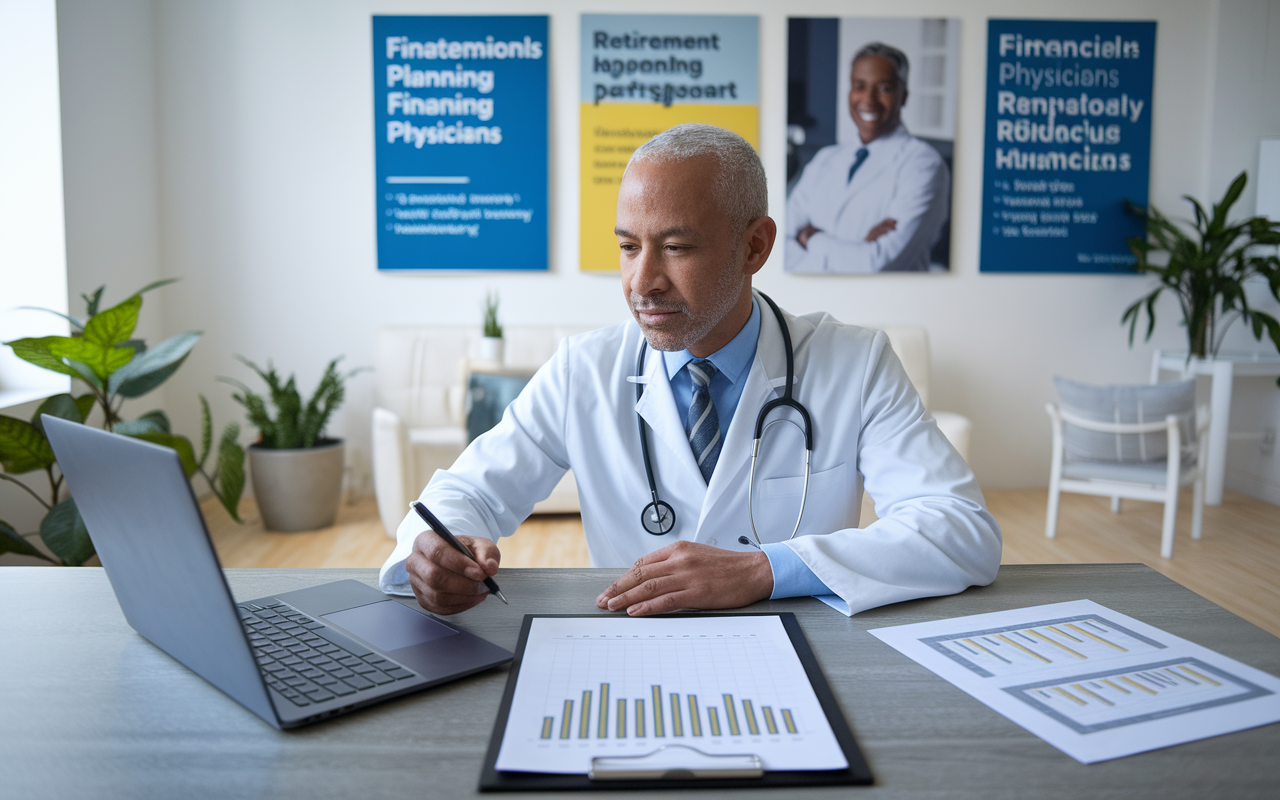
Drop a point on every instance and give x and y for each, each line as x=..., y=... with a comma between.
x=1092, y=682
x=616, y=687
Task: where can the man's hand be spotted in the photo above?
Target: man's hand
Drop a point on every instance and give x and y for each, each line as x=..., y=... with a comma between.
x=689, y=575
x=803, y=236
x=881, y=228
x=444, y=580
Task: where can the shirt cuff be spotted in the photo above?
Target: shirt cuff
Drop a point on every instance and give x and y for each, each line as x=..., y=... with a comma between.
x=791, y=576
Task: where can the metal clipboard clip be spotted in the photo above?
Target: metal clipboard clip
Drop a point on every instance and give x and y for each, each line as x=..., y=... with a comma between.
x=675, y=762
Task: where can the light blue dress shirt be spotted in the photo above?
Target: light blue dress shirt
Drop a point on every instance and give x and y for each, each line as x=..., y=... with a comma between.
x=791, y=576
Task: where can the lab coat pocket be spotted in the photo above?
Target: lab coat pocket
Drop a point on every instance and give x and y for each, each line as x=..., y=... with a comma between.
x=828, y=506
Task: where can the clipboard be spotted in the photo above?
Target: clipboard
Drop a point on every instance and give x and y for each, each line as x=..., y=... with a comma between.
x=669, y=767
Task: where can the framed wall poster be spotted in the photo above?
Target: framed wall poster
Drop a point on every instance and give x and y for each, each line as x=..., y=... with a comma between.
x=642, y=74
x=460, y=131
x=871, y=127
x=1068, y=141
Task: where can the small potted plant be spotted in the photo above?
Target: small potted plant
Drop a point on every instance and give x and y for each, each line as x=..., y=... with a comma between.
x=1208, y=271
x=491, y=344
x=295, y=469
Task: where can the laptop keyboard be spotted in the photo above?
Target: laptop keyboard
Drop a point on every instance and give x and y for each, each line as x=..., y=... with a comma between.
x=306, y=661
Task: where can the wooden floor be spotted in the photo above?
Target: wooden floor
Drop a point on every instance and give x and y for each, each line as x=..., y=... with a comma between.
x=1236, y=564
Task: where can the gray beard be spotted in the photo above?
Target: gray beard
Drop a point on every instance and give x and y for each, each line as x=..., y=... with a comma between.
x=727, y=291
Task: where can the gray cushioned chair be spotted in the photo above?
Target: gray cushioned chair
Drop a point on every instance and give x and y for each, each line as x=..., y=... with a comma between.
x=1138, y=442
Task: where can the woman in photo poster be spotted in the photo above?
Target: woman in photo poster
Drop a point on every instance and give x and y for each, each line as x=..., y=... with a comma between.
x=873, y=197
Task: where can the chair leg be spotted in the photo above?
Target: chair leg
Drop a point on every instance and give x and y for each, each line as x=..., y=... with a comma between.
x=1170, y=520
x=1197, y=507
x=1051, y=517
x=1115, y=505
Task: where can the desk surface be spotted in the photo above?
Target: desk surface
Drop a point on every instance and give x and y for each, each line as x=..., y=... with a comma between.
x=90, y=709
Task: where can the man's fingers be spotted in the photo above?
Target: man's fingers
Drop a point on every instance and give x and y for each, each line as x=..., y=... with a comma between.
x=881, y=228
x=645, y=590
x=439, y=552
x=486, y=552
x=643, y=570
x=440, y=578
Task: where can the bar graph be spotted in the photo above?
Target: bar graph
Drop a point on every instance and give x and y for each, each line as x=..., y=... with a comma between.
x=1104, y=700
x=679, y=723
x=1020, y=648
x=618, y=686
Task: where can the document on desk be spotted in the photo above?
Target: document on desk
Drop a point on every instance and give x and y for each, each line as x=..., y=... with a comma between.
x=1092, y=682
x=609, y=686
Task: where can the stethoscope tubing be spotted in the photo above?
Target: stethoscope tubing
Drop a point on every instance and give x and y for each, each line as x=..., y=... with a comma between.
x=660, y=513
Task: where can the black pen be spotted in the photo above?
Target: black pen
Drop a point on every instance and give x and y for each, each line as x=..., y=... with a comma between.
x=443, y=532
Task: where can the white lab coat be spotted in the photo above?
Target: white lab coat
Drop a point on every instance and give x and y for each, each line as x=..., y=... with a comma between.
x=934, y=535
x=903, y=178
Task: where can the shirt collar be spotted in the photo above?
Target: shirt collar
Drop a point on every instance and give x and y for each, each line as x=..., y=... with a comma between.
x=733, y=359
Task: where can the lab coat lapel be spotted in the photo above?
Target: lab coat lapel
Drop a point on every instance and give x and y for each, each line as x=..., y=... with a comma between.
x=884, y=153
x=728, y=486
x=657, y=406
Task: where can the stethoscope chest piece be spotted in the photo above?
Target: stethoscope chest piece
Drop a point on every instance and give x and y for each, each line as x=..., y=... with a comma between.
x=658, y=518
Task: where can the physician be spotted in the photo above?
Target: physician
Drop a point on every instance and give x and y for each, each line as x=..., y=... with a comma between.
x=691, y=375
x=876, y=205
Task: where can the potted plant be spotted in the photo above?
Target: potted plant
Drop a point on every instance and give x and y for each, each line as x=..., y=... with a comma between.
x=102, y=354
x=1208, y=271
x=296, y=470
x=491, y=344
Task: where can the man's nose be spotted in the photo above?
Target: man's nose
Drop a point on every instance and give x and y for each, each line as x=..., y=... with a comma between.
x=649, y=276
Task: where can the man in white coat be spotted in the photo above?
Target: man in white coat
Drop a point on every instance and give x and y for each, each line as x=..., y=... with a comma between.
x=692, y=229
x=878, y=204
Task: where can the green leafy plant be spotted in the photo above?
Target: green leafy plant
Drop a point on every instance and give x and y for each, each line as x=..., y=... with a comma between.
x=1208, y=270
x=102, y=354
x=295, y=425
x=492, y=328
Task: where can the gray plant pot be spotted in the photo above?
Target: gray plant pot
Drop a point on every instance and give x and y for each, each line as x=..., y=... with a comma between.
x=297, y=490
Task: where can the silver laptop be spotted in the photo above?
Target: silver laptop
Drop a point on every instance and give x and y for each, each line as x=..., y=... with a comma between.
x=293, y=658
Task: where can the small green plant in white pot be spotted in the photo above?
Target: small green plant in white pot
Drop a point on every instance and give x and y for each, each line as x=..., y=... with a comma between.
x=491, y=344
x=295, y=469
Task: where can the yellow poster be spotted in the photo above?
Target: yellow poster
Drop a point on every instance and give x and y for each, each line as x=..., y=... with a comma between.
x=643, y=74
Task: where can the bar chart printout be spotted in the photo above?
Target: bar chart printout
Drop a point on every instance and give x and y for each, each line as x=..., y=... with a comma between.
x=614, y=687
x=1092, y=682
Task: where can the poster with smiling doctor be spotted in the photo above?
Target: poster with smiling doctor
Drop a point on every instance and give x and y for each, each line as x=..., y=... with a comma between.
x=870, y=135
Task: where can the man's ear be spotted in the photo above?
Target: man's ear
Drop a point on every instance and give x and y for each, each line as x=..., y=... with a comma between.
x=758, y=243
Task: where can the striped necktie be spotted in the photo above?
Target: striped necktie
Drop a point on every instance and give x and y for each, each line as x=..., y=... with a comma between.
x=704, y=423
x=861, y=156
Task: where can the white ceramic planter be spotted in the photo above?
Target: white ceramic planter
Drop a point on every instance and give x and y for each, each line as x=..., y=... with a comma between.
x=491, y=349
x=297, y=490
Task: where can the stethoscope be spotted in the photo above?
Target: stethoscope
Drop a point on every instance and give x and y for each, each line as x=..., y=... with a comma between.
x=658, y=517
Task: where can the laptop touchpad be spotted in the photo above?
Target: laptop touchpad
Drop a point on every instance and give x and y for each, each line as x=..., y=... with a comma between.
x=388, y=625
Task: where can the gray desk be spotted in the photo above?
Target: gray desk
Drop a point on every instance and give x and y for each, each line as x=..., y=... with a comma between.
x=90, y=709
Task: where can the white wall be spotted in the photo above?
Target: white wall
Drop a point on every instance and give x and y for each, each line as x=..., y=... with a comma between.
x=265, y=207
x=1245, y=110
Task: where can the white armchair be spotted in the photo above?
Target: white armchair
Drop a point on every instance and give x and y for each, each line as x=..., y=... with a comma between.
x=911, y=344
x=1119, y=459
x=420, y=420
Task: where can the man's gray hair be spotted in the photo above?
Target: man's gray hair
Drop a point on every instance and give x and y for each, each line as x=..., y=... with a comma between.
x=895, y=56
x=740, y=187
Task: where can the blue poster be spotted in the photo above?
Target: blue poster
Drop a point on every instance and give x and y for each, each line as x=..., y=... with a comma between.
x=1068, y=141
x=460, y=125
